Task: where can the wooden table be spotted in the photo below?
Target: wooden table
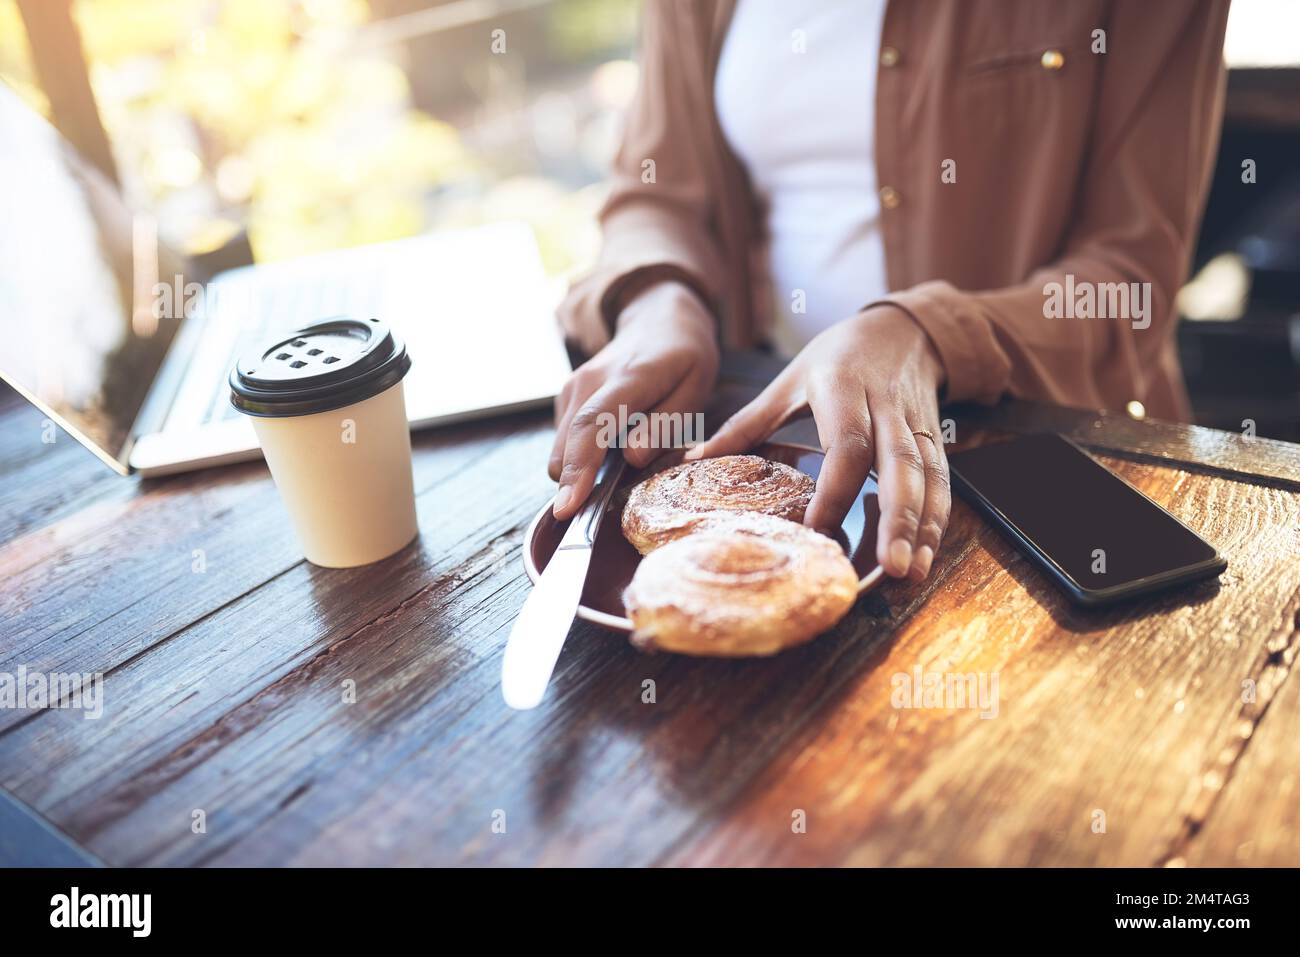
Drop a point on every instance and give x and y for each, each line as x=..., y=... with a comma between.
x=228, y=660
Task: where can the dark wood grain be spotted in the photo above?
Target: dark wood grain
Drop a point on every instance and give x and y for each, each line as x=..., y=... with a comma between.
x=224, y=690
x=42, y=482
x=1119, y=712
x=1244, y=809
x=147, y=559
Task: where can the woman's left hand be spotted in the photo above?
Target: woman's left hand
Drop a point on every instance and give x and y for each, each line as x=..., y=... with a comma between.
x=872, y=383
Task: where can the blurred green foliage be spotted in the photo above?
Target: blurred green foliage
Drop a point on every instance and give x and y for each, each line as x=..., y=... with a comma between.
x=275, y=116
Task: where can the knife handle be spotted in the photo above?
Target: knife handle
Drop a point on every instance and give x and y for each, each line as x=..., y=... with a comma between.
x=581, y=532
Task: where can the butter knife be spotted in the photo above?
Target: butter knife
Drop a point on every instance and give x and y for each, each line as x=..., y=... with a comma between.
x=543, y=623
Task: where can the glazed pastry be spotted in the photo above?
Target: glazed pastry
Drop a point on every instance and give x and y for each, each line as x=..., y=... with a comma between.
x=743, y=523
x=739, y=585
x=659, y=508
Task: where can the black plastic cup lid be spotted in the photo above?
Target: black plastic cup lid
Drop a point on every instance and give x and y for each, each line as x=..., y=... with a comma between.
x=322, y=366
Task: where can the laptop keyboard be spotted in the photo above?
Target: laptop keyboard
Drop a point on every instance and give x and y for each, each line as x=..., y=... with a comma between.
x=457, y=301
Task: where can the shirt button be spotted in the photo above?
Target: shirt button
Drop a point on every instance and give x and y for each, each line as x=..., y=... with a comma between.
x=1052, y=60
x=889, y=197
x=889, y=57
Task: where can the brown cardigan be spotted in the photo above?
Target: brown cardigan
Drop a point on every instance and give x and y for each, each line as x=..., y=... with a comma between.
x=1068, y=162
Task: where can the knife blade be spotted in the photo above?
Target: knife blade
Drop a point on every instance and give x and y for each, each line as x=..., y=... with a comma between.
x=538, y=633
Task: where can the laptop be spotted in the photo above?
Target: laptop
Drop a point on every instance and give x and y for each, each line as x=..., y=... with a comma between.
x=128, y=347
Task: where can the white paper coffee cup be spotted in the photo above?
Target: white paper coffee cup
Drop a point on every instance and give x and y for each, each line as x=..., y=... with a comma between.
x=330, y=414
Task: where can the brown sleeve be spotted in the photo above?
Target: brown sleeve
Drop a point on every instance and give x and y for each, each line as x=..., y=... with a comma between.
x=1155, y=135
x=658, y=220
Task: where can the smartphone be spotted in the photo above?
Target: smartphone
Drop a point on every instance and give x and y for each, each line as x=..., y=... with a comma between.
x=1095, y=534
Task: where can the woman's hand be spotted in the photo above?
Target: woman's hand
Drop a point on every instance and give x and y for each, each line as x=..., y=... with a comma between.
x=663, y=358
x=871, y=382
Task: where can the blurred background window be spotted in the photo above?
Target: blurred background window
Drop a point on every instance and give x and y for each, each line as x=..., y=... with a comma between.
x=319, y=124
x=1240, y=345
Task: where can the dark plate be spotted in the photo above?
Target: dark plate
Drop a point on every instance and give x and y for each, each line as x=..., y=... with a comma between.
x=614, y=560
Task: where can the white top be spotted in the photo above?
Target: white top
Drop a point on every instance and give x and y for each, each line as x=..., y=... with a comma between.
x=795, y=94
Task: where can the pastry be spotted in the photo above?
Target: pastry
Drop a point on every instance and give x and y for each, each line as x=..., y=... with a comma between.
x=737, y=584
x=659, y=509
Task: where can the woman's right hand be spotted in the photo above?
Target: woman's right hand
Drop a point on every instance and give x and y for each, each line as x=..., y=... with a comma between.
x=663, y=358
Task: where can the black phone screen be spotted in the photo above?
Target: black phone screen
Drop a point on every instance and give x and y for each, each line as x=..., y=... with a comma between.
x=1093, y=525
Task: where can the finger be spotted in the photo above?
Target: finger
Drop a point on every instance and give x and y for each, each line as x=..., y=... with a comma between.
x=902, y=492
x=576, y=391
x=751, y=424
x=844, y=428
x=938, y=501
x=667, y=425
x=582, y=452
x=563, y=412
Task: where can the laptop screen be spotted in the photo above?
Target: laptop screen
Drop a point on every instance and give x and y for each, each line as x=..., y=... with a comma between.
x=84, y=323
